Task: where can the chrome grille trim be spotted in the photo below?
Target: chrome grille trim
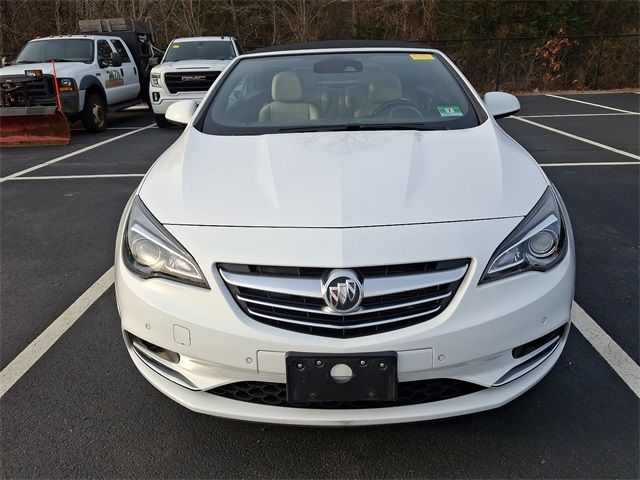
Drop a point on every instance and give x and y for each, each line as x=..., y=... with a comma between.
x=303, y=287
x=344, y=326
x=394, y=296
x=327, y=311
x=373, y=287
x=378, y=286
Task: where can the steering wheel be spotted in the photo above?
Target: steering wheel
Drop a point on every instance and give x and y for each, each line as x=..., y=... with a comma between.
x=386, y=108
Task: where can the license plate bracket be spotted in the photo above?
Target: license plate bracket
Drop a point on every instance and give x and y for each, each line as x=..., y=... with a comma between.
x=310, y=378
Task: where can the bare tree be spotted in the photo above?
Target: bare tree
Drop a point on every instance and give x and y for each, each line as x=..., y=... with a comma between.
x=301, y=16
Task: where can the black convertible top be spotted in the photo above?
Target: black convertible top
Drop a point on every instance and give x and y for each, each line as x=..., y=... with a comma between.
x=338, y=44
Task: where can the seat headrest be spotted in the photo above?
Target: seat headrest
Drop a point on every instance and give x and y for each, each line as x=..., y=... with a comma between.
x=384, y=88
x=285, y=87
x=355, y=96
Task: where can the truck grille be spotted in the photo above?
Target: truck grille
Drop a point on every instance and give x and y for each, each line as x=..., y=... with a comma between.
x=41, y=88
x=189, y=81
x=409, y=393
x=39, y=91
x=394, y=296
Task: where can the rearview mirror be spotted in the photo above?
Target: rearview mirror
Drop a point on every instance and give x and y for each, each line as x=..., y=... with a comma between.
x=153, y=61
x=501, y=104
x=115, y=60
x=181, y=112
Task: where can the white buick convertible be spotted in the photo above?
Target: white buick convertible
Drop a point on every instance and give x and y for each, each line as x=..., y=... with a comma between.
x=344, y=236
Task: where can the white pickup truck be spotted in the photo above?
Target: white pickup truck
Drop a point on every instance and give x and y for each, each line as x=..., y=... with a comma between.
x=97, y=73
x=187, y=70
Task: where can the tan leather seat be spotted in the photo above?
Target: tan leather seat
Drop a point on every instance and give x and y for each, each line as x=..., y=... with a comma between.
x=383, y=88
x=287, y=104
x=356, y=98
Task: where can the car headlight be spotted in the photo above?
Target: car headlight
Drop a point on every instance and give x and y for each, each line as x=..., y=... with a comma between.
x=155, y=79
x=539, y=242
x=149, y=250
x=67, y=85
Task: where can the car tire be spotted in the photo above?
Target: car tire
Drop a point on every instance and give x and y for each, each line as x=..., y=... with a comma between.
x=94, y=114
x=162, y=122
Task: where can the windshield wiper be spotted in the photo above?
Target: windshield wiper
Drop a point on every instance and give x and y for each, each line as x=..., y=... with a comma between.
x=362, y=127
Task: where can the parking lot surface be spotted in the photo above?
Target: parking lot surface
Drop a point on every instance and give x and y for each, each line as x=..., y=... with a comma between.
x=82, y=410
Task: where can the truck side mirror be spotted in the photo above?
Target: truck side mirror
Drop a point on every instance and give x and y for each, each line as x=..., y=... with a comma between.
x=115, y=60
x=153, y=62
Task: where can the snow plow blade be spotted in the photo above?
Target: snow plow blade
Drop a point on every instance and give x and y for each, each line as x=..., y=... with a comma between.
x=33, y=126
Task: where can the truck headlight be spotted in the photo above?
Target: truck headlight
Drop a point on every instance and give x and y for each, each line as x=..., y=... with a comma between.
x=149, y=250
x=539, y=242
x=155, y=79
x=67, y=85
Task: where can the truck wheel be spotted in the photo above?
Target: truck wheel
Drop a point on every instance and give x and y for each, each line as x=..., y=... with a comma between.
x=162, y=122
x=94, y=114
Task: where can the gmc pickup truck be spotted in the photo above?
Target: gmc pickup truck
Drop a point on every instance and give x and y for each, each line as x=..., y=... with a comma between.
x=187, y=70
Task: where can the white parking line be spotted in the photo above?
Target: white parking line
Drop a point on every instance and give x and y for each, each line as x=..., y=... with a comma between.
x=30, y=355
x=616, y=357
x=578, y=115
x=68, y=155
x=72, y=177
x=592, y=104
x=576, y=137
x=588, y=164
x=140, y=175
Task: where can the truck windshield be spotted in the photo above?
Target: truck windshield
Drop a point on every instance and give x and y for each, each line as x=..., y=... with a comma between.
x=61, y=50
x=339, y=91
x=199, y=50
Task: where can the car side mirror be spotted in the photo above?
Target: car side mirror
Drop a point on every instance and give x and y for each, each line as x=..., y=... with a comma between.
x=115, y=60
x=153, y=62
x=501, y=104
x=181, y=112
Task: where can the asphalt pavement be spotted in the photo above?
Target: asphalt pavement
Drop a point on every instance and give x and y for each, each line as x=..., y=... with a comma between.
x=83, y=411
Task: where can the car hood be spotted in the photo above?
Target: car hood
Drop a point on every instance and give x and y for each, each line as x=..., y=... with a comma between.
x=343, y=179
x=63, y=69
x=192, y=65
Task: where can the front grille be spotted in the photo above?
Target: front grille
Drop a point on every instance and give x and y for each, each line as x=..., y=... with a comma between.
x=409, y=393
x=395, y=296
x=189, y=81
x=39, y=91
x=41, y=88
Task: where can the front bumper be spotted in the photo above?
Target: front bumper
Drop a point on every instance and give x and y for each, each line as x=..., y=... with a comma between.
x=486, y=399
x=471, y=340
x=71, y=102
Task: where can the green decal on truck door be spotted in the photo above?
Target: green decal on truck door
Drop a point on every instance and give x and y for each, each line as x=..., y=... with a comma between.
x=114, y=79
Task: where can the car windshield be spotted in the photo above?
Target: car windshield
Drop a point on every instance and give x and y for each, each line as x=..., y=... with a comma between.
x=199, y=50
x=61, y=50
x=338, y=91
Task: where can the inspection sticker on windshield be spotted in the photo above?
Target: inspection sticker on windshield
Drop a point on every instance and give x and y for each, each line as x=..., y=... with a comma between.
x=421, y=56
x=450, y=111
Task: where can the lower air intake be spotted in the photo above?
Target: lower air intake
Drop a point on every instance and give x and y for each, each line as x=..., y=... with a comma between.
x=409, y=393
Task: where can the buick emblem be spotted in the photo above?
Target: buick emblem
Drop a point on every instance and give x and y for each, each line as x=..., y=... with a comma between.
x=342, y=291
